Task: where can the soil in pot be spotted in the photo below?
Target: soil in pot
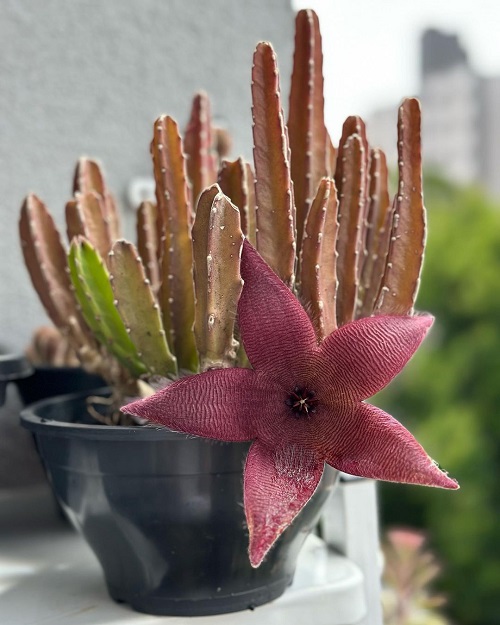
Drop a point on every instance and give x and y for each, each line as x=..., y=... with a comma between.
x=163, y=512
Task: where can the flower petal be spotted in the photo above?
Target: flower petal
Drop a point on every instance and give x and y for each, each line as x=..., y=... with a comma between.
x=360, y=358
x=373, y=444
x=277, y=485
x=278, y=336
x=216, y=404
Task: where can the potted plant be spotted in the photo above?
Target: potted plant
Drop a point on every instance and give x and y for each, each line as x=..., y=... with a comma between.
x=161, y=510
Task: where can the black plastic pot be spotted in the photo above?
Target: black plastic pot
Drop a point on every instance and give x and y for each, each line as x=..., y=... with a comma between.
x=12, y=367
x=163, y=512
x=51, y=381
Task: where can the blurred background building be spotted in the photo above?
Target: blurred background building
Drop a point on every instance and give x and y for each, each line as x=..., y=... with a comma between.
x=461, y=115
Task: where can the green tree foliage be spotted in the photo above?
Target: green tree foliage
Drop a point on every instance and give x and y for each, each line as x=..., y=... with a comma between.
x=449, y=397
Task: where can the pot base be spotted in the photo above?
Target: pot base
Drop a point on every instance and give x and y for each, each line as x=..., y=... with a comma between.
x=235, y=602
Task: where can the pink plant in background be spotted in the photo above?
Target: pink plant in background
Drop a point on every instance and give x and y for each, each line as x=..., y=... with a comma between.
x=301, y=404
x=409, y=573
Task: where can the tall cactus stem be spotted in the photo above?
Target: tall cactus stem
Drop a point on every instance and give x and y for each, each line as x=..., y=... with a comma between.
x=139, y=310
x=89, y=178
x=375, y=245
x=176, y=294
x=275, y=207
x=201, y=162
x=318, y=265
x=404, y=260
x=236, y=180
x=351, y=203
x=217, y=273
x=85, y=216
x=148, y=241
x=306, y=124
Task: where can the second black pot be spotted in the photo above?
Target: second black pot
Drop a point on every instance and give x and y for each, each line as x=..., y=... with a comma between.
x=13, y=367
x=47, y=381
x=163, y=512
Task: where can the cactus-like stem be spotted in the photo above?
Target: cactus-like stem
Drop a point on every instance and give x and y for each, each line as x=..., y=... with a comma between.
x=351, y=203
x=376, y=243
x=378, y=195
x=217, y=243
x=275, y=210
x=148, y=241
x=379, y=267
x=404, y=260
x=45, y=258
x=201, y=161
x=176, y=294
x=318, y=279
x=139, y=310
x=85, y=216
x=225, y=241
x=200, y=268
x=93, y=289
x=306, y=124
x=251, y=234
x=353, y=125
x=89, y=178
x=236, y=180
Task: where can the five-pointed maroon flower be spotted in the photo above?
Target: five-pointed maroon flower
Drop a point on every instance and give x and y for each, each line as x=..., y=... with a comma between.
x=301, y=404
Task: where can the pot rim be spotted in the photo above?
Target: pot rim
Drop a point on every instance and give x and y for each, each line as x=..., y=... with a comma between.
x=14, y=366
x=32, y=420
x=65, y=368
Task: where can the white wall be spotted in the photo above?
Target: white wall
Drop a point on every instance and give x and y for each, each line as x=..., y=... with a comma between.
x=89, y=77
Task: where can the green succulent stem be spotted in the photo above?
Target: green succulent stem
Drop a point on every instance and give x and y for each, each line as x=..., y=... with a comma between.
x=93, y=290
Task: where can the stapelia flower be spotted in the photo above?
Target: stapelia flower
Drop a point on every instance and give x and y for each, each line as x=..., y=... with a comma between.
x=301, y=404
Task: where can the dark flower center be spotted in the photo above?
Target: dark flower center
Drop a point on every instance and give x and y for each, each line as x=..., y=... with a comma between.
x=302, y=402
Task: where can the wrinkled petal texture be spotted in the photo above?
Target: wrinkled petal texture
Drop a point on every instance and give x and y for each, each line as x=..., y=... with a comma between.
x=277, y=485
x=360, y=358
x=278, y=336
x=370, y=443
x=219, y=404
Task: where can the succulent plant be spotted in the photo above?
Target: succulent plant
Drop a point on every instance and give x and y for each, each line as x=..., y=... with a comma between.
x=409, y=572
x=321, y=217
